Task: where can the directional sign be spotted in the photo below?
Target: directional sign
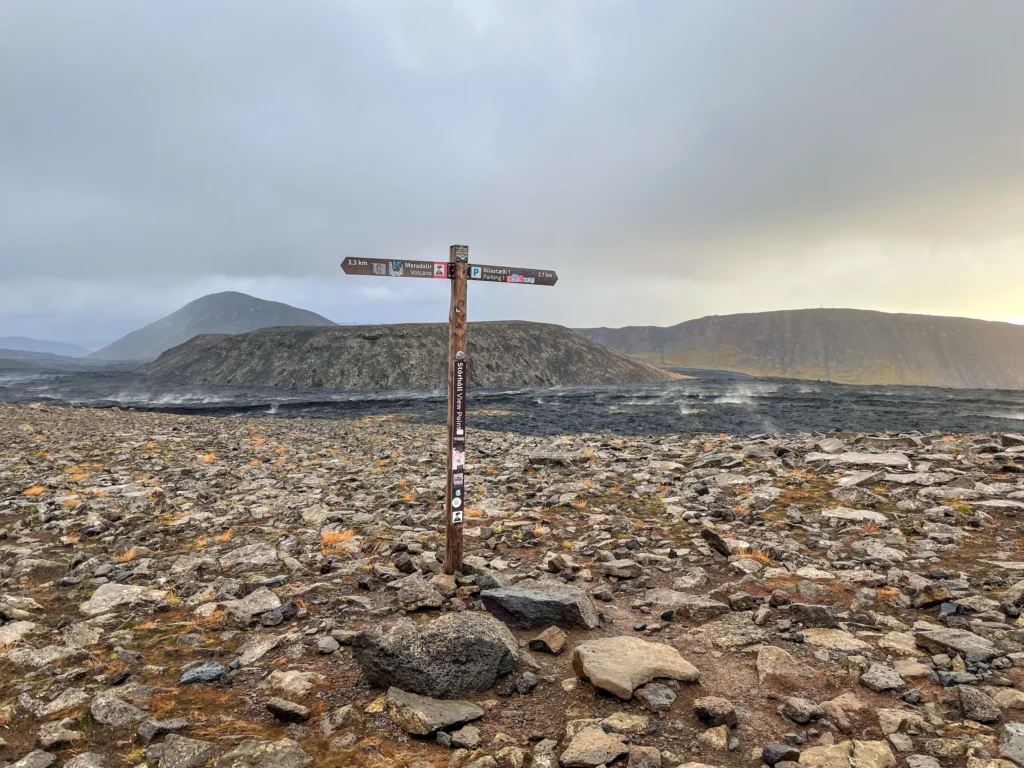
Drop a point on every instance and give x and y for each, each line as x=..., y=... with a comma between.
x=457, y=442
x=395, y=268
x=458, y=270
x=512, y=275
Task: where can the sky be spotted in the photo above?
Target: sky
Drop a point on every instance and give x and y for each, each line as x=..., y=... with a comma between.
x=670, y=159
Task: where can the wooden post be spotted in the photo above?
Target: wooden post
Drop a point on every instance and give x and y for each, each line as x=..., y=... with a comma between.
x=455, y=499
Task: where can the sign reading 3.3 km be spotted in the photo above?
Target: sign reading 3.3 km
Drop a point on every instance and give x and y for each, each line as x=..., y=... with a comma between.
x=395, y=268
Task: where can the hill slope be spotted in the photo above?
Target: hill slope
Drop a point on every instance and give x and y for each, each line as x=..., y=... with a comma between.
x=228, y=312
x=25, y=344
x=381, y=357
x=844, y=345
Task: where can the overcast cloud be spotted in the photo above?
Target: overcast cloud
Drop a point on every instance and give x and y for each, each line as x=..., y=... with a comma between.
x=670, y=159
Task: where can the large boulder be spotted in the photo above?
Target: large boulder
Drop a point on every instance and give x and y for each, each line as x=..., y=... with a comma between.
x=531, y=604
x=620, y=664
x=451, y=656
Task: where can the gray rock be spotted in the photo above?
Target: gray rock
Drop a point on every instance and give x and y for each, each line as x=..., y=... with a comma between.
x=179, y=752
x=256, y=603
x=453, y=655
x=252, y=555
x=327, y=645
x=801, y=711
x=265, y=754
x=416, y=594
x=715, y=541
x=975, y=705
x=656, y=697
x=207, y=672
x=692, y=608
x=287, y=711
x=881, y=677
x=814, y=615
x=531, y=604
x=86, y=760
x=337, y=719
x=714, y=710
x=107, y=709
x=973, y=647
x=422, y=716
x=644, y=757
x=59, y=734
x=1011, y=742
x=776, y=753
x=152, y=729
x=467, y=737
x=622, y=569
x=36, y=759
x=112, y=595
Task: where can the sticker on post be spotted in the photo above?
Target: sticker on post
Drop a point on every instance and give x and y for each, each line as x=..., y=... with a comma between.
x=456, y=517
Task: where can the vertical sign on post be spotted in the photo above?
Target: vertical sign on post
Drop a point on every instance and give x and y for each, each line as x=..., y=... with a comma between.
x=459, y=271
x=455, y=499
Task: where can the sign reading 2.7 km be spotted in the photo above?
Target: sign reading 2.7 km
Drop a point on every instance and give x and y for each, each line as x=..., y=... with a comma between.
x=458, y=270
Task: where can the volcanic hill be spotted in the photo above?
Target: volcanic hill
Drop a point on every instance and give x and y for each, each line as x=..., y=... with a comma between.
x=412, y=356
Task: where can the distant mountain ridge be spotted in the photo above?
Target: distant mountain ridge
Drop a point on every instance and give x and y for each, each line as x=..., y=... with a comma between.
x=849, y=346
x=25, y=344
x=228, y=312
x=388, y=357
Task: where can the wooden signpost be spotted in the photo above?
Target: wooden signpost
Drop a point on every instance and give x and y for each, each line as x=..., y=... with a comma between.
x=459, y=271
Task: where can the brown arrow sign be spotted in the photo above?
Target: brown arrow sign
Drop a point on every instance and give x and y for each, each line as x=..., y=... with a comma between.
x=512, y=275
x=458, y=270
x=395, y=268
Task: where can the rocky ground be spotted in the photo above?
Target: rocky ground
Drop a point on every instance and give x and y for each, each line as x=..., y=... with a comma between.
x=181, y=591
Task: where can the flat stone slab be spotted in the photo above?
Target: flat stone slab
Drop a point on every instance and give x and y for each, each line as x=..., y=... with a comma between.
x=620, y=664
x=854, y=515
x=111, y=595
x=531, y=604
x=687, y=606
x=973, y=647
x=834, y=640
x=592, y=747
x=777, y=662
x=894, y=460
x=422, y=716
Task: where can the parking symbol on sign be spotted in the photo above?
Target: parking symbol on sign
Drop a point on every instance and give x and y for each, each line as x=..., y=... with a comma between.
x=475, y=272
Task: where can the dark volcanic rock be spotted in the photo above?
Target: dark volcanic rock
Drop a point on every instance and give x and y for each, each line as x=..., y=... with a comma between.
x=456, y=654
x=533, y=604
x=397, y=357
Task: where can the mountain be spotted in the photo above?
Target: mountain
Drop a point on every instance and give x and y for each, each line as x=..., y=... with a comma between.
x=851, y=346
x=23, y=354
x=381, y=357
x=25, y=344
x=228, y=312
x=19, y=360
